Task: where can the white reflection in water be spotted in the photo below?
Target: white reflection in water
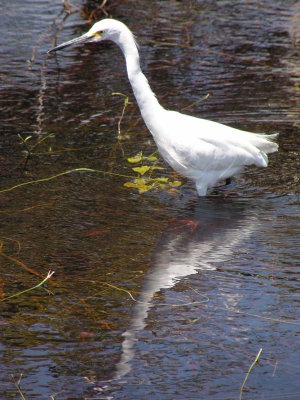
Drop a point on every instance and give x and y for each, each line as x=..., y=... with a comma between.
x=205, y=237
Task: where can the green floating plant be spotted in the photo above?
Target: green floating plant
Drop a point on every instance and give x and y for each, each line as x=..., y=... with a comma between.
x=144, y=181
x=142, y=170
x=141, y=184
x=136, y=159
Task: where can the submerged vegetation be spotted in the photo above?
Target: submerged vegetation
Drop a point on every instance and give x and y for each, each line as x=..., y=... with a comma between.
x=145, y=168
x=145, y=181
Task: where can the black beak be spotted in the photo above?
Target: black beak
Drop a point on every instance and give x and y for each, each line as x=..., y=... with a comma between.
x=81, y=39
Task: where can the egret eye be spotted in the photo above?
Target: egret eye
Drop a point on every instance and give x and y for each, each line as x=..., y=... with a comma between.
x=98, y=34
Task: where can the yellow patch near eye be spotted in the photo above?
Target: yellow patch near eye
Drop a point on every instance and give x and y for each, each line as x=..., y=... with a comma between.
x=98, y=34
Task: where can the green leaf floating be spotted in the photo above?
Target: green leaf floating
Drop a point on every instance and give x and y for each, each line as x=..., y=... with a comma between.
x=136, y=159
x=175, y=183
x=142, y=170
x=140, y=184
x=145, y=181
x=151, y=158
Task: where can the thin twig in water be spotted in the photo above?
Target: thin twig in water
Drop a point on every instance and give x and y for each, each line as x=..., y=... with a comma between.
x=50, y=273
x=159, y=304
x=120, y=289
x=126, y=102
x=18, y=262
x=282, y=321
x=188, y=37
x=249, y=370
x=82, y=169
x=62, y=174
x=275, y=368
x=17, y=385
x=195, y=102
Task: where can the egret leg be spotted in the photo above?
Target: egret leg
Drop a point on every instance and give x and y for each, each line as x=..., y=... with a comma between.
x=201, y=188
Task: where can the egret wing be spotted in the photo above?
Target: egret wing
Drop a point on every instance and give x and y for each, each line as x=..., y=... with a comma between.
x=204, y=145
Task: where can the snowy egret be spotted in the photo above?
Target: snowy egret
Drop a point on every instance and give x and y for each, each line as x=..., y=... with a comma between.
x=202, y=150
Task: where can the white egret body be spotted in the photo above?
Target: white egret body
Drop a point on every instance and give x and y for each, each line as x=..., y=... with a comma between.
x=202, y=150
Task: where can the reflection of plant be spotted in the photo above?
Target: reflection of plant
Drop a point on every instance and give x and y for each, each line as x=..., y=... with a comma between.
x=144, y=180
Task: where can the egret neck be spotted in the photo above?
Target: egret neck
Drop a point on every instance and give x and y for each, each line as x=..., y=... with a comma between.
x=145, y=98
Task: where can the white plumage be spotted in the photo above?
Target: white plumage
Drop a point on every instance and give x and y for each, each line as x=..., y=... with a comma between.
x=202, y=150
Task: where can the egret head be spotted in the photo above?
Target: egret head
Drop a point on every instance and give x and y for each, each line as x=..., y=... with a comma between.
x=106, y=29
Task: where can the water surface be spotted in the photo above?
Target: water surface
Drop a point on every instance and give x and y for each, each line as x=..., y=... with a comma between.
x=158, y=295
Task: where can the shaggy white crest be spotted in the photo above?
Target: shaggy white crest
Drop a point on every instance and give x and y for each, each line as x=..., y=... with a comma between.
x=199, y=149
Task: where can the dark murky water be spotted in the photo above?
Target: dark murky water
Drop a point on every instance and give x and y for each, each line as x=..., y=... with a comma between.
x=157, y=295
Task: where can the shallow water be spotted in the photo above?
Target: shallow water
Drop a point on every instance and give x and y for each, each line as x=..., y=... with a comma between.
x=159, y=294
